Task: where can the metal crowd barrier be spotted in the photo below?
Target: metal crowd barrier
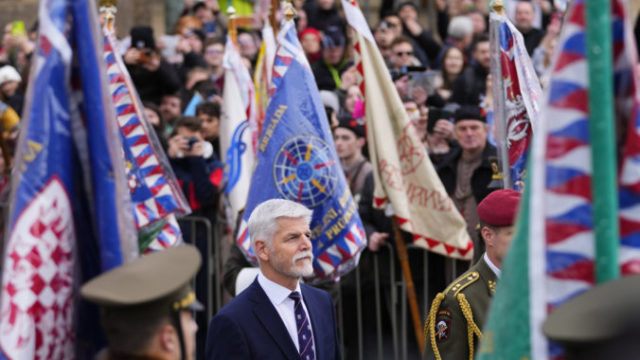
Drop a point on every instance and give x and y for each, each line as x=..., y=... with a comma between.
x=402, y=343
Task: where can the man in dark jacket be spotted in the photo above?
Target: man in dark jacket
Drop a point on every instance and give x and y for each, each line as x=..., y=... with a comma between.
x=466, y=171
x=524, y=17
x=151, y=74
x=329, y=68
x=471, y=85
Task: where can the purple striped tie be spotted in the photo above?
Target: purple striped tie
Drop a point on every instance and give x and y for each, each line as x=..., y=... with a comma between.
x=305, y=339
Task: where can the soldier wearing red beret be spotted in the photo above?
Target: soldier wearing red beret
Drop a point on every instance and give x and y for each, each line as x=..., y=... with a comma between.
x=457, y=315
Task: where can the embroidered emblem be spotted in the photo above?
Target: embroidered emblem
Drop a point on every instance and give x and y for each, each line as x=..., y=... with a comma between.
x=443, y=326
x=492, y=287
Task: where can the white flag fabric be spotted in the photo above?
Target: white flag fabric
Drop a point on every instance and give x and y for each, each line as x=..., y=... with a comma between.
x=403, y=173
x=237, y=131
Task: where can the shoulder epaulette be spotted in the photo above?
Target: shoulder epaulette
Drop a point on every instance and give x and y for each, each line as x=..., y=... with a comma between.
x=462, y=282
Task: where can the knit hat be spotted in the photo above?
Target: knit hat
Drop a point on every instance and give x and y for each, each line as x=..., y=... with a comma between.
x=333, y=38
x=9, y=73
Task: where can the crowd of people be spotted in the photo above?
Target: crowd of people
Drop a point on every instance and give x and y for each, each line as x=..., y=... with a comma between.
x=441, y=72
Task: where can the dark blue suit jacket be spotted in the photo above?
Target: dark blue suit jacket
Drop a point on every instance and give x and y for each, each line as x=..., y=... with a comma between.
x=249, y=327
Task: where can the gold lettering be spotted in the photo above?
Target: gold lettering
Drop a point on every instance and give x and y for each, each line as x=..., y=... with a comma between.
x=33, y=148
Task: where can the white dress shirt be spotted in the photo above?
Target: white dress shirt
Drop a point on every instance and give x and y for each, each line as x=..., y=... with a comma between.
x=492, y=266
x=279, y=297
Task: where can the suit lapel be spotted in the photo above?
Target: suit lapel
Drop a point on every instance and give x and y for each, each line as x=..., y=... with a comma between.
x=315, y=312
x=270, y=319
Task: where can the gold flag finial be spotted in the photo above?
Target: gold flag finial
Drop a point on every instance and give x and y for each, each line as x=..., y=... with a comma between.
x=498, y=6
x=109, y=8
x=289, y=11
x=233, y=26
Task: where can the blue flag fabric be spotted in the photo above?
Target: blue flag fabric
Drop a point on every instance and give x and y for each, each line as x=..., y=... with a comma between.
x=68, y=186
x=297, y=161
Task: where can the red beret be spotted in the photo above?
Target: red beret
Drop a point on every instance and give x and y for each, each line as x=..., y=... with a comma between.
x=499, y=208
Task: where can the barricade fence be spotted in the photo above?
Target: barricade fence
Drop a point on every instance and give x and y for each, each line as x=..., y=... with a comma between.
x=374, y=321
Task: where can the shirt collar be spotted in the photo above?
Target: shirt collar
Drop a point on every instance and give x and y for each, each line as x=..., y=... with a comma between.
x=492, y=266
x=276, y=292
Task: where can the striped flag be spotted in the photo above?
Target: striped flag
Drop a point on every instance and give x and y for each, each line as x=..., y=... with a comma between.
x=404, y=176
x=262, y=73
x=155, y=192
x=516, y=94
x=69, y=188
x=555, y=254
x=296, y=160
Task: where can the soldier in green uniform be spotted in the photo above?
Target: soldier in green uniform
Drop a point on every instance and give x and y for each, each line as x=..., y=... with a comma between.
x=146, y=305
x=454, y=324
x=602, y=323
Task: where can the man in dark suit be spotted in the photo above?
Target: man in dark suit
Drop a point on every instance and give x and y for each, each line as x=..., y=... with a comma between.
x=277, y=317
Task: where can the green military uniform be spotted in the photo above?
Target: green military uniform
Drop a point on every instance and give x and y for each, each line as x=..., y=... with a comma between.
x=454, y=323
x=602, y=323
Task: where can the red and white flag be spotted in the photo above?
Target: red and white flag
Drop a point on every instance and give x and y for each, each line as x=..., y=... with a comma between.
x=403, y=173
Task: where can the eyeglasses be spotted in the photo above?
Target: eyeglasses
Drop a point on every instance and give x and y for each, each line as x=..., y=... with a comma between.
x=404, y=53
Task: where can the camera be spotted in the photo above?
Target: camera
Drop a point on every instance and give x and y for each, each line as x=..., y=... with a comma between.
x=191, y=142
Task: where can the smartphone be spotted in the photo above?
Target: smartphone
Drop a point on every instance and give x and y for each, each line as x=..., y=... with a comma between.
x=422, y=79
x=436, y=114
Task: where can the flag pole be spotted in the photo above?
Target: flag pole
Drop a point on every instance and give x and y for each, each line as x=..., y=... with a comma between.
x=275, y=5
x=499, y=108
x=602, y=138
x=233, y=27
x=403, y=256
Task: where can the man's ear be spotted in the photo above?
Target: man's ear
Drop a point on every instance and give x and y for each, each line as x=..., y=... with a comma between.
x=361, y=142
x=487, y=235
x=169, y=338
x=262, y=250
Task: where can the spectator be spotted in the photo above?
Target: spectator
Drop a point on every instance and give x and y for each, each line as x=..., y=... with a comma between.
x=408, y=13
x=470, y=86
x=207, y=13
x=479, y=21
x=10, y=81
x=156, y=120
x=524, y=18
x=453, y=65
x=384, y=36
x=439, y=136
x=310, y=39
x=214, y=55
x=395, y=25
x=301, y=20
x=459, y=34
x=152, y=75
x=327, y=70
x=466, y=171
x=402, y=54
x=323, y=15
x=541, y=58
x=249, y=45
x=171, y=109
x=190, y=46
x=208, y=113
x=349, y=138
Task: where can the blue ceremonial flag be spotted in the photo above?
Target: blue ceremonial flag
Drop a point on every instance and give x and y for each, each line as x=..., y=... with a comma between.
x=68, y=185
x=297, y=161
